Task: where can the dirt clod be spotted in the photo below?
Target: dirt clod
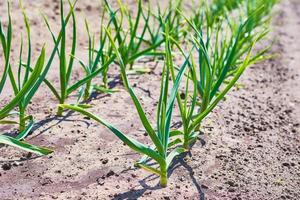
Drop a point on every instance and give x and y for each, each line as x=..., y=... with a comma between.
x=6, y=166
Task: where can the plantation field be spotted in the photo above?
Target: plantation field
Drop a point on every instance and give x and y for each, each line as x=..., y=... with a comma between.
x=248, y=147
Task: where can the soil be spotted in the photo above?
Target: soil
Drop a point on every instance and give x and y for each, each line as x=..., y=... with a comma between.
x=249, y=149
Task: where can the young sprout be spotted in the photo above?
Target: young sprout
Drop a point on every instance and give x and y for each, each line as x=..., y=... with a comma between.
x=170, y=16
x=222, y=58
x=172, y=19
x=207, y=14
x=97, y=58
x=66, y=66
x=160, y=137
x=262, y=10
x=130, y=42
x=23, y=86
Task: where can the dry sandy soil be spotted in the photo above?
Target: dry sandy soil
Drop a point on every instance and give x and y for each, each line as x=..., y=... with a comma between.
x=249, y=149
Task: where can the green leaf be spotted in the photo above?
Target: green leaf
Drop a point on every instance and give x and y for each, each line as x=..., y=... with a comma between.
x=221, y=95
x=171, y=101
x=173, y=154
x=148, y=168
x=105, y=90
x=132, y=143
x=27, y=130
x=24, y=146
x=28, y=85
x=83, y=81
x=8, y=122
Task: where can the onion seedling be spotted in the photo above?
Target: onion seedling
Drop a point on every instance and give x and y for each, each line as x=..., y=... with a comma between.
x=207, y=14
x=130, y=42
x=22, y=88
x=96, y=59
x=66, y=66
x=262, y=16
x=162, y=153
x=220, y=65
x=170, y=17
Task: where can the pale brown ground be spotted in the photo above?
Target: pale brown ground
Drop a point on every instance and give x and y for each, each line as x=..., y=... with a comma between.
x=250, y=148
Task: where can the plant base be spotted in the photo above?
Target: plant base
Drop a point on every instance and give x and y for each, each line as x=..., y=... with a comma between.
x=59, y=111
x=163, y=181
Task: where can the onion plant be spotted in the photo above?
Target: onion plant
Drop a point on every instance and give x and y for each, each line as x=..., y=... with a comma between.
x=208, y=13
x=262, y=16
x=24, y=86
x=96, y=58
x=66, y=66
x=169, y=16
x=222, y=58
x=219, y=7
x=172, y=19
x=162, y=153
x=131, y=42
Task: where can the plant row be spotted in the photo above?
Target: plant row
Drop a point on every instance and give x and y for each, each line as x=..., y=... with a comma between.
x=216, y=41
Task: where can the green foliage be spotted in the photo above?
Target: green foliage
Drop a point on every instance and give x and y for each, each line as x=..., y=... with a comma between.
x=103, y=56
x=160, y=138
x=224, y=52
x=66, y=66
x=24, y=84
x=130, y=42
x=221, y=36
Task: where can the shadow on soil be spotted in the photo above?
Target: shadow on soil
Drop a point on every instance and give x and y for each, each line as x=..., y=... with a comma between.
x=179, y=162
